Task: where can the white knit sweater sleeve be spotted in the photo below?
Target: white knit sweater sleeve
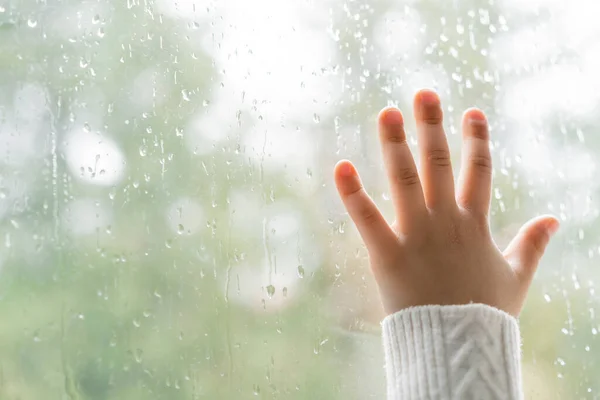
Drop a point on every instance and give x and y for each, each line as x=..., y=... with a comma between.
x=452, y=352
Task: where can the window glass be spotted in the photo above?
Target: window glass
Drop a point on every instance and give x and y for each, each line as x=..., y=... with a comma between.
x=169, y=227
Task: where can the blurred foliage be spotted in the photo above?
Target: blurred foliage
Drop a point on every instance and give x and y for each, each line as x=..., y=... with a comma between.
x=138, y=309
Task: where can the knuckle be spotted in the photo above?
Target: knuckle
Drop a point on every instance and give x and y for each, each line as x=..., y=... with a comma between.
x=368, y=216
x=431, y=115
x=365, y=211
x=396, y=136
x=432, y=119
x=537, y=243
x=480, y=131
x=407, y=177
x=353, y=192
x=439, y=158
x=482, y=163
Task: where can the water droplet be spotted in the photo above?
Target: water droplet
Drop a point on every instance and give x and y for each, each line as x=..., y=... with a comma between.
x=576, y=284
x=143, y=150
x=547, y=298
x=300, y=271
x=136, y=323
x=180, y=229
x=138, y=355
x=270, y=291
x=185, y=95
x=316, y=118
x=169, y=244
x=285, y=290
x=96, y=19
x=100, y=32
x=86, y=127
x=32, y=23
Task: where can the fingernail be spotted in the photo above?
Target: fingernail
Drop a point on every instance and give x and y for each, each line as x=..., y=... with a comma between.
x=391, y=116
x=476, y=122
x=428, y=107
x=552, y=226
x=429, y=97
x=475, y=116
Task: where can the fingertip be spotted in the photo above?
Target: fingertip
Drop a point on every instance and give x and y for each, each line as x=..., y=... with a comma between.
x=344, y=169
x=427, y=107
x=346, y=178
x=427, y=97
x=474, y=115
x=552, y=225
x=475, y=124
x=391, y=116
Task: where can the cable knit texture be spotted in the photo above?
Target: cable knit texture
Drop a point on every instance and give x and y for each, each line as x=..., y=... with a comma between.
x=452, y=352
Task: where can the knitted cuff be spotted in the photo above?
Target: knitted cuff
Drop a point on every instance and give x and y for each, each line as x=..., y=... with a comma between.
x=452, y=352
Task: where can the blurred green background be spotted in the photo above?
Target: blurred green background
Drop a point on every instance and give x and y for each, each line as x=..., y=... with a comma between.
x=169, y=226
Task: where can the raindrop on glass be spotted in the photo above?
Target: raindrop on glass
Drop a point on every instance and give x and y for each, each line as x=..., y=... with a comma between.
x=270, y=291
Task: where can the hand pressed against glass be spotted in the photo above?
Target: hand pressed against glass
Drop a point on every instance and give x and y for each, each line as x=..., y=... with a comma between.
x=440, y=250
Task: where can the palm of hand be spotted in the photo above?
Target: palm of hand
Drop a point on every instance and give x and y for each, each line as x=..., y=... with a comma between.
x=439, y=250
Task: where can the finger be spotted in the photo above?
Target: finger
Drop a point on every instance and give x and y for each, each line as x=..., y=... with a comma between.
x=436, y=170
x=526, y=249
x=373, y=228
x=475, y=181
x=405, y=186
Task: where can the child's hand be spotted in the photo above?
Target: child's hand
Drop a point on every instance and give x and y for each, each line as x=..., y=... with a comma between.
x=440, y=250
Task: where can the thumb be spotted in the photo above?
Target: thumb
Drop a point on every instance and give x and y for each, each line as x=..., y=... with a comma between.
x=526, y=249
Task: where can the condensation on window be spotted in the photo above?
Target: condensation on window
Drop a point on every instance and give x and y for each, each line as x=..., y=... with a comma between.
x=169, y=226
